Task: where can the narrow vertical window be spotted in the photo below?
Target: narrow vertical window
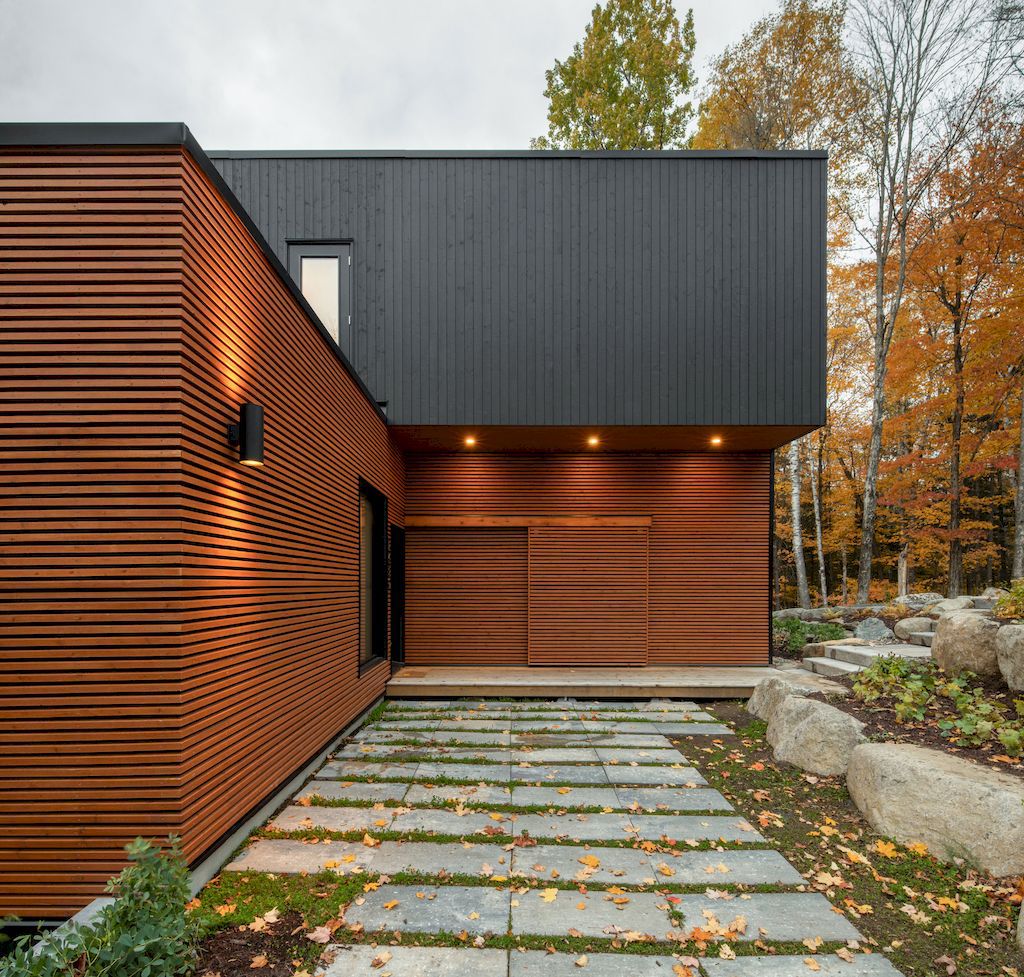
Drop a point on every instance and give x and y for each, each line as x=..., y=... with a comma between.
x=373, y=574
x=323, y=273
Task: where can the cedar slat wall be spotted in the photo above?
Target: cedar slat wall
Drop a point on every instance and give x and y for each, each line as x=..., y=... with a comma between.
x=90, y=353
x=709, y=542
x=466, y=595
x=179, y=631
x=588, y=596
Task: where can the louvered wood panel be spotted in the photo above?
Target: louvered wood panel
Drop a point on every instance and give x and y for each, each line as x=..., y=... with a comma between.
x=466, y=596
x=179, y=631
x=709, y=533
x=588, y=595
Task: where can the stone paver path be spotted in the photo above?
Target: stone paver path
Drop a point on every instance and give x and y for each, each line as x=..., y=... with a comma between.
x=547, y=821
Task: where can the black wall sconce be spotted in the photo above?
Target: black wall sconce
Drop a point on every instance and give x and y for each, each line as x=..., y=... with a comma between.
x=247, y=434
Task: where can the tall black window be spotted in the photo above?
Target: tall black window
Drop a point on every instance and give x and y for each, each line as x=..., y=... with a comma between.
x=324, y=275
x=373, y=574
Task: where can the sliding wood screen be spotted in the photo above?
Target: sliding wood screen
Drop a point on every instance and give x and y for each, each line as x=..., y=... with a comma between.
x=708, y=542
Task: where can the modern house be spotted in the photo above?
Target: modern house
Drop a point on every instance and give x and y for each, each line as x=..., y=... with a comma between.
x=275, y=423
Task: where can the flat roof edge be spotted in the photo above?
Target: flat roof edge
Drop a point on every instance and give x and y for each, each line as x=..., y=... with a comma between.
x=518, y=154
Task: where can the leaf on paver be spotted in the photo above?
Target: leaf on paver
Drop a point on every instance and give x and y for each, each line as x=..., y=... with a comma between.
x=666, y=870
x=581, y=905
x=331, y=863
x=382, y=958
x=681, y=971
x=371, y=886
x=581, y=961
x=564, y=790
x=844, y=954
x=549, y=895
x=258, y=962
x=391, y=904
x=813, y=943
x=811, y=964
x=474, y=915
x=370, y=841
x=718, y=894
x=486, y=869
x=494, y=816
x=591, y=861
x=381, y=823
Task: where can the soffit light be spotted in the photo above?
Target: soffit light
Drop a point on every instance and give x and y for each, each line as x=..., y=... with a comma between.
x=716, y=440
x=247, y=435
x=470, y=441
x=593, y=441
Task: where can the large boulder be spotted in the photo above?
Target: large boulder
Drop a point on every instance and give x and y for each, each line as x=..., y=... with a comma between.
x=917, y=602
x=905, y=628
x=1020, y=931
x=994, y=593
x=950, y=604
x=769, y=694
x=966, y=639
x=1010, y=655
x=873, y=629
x=814, y=736
x=958, y=808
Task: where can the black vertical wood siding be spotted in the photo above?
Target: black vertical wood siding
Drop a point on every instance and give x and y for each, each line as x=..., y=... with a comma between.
x=569, y=289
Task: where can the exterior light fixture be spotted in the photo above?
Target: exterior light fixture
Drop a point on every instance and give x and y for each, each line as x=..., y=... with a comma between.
x=470, y=441
x=716, y=440
x=593, y=441
x=247, y=434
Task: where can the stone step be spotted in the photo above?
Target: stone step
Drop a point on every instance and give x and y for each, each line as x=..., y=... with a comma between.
x=864, y=655
x=922, y=638
x=983, y=603
x=830, y=666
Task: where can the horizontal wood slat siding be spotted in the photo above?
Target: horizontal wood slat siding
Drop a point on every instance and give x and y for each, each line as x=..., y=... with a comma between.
x=179, y=631
x=91, y=252
x=465, y=601
x=708, y=556
x=588, y=596
x=270, y=642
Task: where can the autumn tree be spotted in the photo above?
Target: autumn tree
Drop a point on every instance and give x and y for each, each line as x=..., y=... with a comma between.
x=929, y=67
x=625, y=85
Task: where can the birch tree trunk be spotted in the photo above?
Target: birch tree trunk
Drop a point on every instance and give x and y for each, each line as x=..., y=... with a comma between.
x=903, y=571
x=842, y=590
x=956, y=550
x=1018, y=502
x=798, y=536
x=815, y=498
x=870, y=503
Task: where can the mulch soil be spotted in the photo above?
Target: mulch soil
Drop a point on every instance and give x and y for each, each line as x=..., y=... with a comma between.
x=880, y=719
x=237, y=951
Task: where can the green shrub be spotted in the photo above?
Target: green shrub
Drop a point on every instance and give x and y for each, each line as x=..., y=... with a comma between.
x=1012, y=604
x=797, y=633
x=145, y=932
x=913, y=686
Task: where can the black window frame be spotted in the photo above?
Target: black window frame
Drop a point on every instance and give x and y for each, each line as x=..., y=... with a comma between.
x=342, y=250
x=380, y=584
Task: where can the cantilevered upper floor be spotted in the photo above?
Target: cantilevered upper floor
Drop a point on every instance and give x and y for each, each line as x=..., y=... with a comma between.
x=561, y=289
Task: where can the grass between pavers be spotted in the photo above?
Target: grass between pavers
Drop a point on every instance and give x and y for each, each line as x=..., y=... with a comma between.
x=464, y=782
x=385, y=834
x=915, y=908
x=450, y=804
x=413, y=756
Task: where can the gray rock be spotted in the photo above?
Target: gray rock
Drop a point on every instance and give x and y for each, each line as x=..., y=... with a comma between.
x=801, y=613
x=993, y=593
x=873, y=629
x=958, y=808
x=769, y=694
x=905, y=628
x=965, y=639
x=950, y=604
x=1020, y=931
x=1010, y=655
x=814, y=736
x=917, y=602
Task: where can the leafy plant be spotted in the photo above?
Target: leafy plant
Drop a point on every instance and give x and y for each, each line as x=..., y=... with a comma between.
x=145, y=932
x=797, y=633
x=1012, y=604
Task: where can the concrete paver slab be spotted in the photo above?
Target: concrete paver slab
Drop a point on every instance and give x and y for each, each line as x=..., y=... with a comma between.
x=471, y=772
x=709, y=827
x=582, y=827
x=538, y=963
x=559, y=797
x=772, y=916
x=591, y=913
x=726, y=868
x=340, y=769
x=295, y=818
x=676, y=776
x=415, y=961
x=433, y=859
x=352, y=791
x=864, y=965
x=474, y=795
x=284, y=856
x=446, y=908
x=665, y=799
x=539, y=773
x=621, y=866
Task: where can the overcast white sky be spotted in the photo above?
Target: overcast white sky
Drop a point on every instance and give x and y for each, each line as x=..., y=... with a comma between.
x=308, y=74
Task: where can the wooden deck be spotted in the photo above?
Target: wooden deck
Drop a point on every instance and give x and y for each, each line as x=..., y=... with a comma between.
x=671, y=682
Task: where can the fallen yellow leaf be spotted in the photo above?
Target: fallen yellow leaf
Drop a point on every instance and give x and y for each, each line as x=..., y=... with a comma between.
x=549, y=895
x=591, y=861
x=391, y=904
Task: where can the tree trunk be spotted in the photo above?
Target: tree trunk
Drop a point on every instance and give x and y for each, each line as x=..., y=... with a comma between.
x=842, y=592
x=903, y=571
x=798, y=536
x=815, y=493
x=870, y=502
x=956, y=550
x=1018, y=502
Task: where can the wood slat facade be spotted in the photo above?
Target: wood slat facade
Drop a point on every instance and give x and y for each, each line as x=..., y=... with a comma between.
x=180, y=631
x=709, y=536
